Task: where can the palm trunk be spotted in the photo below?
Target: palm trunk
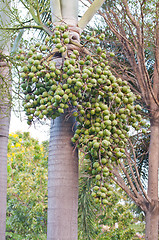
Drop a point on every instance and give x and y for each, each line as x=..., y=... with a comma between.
x=152, y=217
x=5, y=90
x=62, y=182
x=63, y=161
x=4, y=130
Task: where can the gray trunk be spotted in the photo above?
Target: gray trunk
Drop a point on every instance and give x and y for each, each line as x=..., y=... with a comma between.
x=4, y=130
x=62, y=182
x=4, y=127
x=152, y=212
x=152, y=224
x=5, y=90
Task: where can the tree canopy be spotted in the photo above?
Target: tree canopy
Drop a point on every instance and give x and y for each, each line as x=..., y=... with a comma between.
x=27, y=187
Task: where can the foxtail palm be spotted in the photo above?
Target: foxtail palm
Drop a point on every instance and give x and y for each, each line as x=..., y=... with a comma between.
x=63, y=159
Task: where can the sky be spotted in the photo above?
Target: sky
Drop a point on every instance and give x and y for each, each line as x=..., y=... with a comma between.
x=39, y=131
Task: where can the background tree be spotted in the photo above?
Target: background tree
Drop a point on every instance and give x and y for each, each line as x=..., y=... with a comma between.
x=5, y=100
x=134, y=35
x=27, y=187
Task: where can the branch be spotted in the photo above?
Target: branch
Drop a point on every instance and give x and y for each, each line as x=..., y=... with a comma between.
x=40, y=27
x=127, y=46
x=137, y=173
x=38, y=10
x=121, y=183
x=129, y=181
x=143, y=72
x=156, y=67
x=140, y=68
x=132, y=33
x=134, y=22
x=36, y=18
x=119, y=180
x=24, y=4
x=20, y=27
x=128, y=51
x=122, y=31
x=133, y=175
x=142, y=25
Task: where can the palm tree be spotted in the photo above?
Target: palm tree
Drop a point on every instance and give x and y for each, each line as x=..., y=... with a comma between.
x=5, y=103
x=63, y=160
x=4, y=116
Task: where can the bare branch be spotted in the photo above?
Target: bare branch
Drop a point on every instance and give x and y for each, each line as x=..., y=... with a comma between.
x=137, y=172
x=130, y=181
x=122, y=31
x=156, y=67
x=133, y=174
x=134, y=22
x=119, y=180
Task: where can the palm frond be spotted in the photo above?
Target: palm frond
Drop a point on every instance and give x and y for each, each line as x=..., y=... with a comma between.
x=87, y=210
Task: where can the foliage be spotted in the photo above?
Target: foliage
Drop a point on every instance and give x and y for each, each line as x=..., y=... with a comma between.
x=27, y=187
x=27, y=197
x=119, y=219
x=86, y=209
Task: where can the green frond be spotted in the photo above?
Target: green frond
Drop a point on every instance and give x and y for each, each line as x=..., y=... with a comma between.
x=94, y=7
x=87, y=210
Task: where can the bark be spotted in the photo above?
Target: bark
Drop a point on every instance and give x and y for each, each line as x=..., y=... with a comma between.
x=152, y=216
x=63, y=161
x=151, y=223
x=4, y=130
x=62, y=182
x=5, y=91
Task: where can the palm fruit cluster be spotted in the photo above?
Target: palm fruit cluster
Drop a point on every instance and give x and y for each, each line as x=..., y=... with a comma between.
x=104, y=106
